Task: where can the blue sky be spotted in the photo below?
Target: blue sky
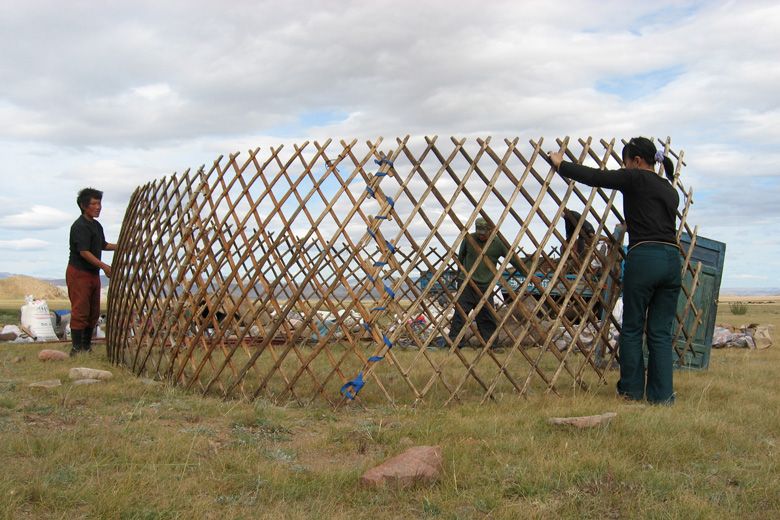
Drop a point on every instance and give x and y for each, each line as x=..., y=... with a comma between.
x=116, y=94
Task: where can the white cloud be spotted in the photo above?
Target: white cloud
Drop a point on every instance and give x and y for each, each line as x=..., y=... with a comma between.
x=24, y=244
x=37, y=217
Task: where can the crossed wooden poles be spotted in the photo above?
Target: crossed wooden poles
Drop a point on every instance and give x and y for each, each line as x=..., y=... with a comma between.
x=298, y=276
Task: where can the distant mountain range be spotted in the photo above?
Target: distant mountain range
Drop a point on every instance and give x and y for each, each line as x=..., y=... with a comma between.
x=724, y=291
x=59, y=282
x=749, y=291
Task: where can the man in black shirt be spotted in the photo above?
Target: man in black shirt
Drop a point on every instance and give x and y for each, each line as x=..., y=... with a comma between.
x=87, y=242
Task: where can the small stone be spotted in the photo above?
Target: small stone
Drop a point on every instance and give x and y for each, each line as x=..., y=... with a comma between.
x=417, y=464
x=89, y=373
x=583, y=422
x=84, y=382
x=52, y=355
x=49, y=383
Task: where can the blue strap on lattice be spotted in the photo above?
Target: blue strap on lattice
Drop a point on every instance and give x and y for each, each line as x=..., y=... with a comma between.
x=380, y=174
x=381, y=217
x=387, y=341
x=357, y=383
x=389, y=291
x=371, y=233
x=370, y=191
x=378, y=309
x=377, y=264
x=384, y=160
x=367, y=326
x=371, y=278
x=390, y=201
x=390, y=247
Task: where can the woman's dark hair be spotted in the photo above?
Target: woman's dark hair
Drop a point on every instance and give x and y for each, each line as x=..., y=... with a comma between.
x=644, y=148
x=86, y=195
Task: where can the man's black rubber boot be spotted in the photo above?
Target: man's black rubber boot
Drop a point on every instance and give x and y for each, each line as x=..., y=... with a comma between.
x=86, y=340
x=76, y=338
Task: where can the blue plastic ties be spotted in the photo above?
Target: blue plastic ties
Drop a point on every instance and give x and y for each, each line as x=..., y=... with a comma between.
x=390, y=247
x=367, y=326
x=390, y=200
x=355, y=384
x=370, y=191
x=378, y=309
x=371, y=278
x=389, y=291
x=371, y=233
x=377, y=264
x=380, y=174
x=380, y=217
x=384, y=160
x=387, y=341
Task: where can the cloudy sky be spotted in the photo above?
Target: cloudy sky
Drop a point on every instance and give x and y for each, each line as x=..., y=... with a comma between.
x=117, y=94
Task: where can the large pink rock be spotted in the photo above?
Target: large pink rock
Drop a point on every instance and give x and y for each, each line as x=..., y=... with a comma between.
x=52, y=355
x=417, y=464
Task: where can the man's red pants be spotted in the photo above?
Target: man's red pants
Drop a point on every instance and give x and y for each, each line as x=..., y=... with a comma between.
x=84, y=294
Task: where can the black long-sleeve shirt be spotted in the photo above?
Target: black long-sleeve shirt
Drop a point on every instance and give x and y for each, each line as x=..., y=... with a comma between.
x=649, y=200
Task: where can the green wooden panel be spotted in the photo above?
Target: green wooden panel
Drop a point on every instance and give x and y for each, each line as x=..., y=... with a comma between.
x=710, y=254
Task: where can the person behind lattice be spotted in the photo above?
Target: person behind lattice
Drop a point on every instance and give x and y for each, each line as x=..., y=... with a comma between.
x=584, y=239
x=473, y=248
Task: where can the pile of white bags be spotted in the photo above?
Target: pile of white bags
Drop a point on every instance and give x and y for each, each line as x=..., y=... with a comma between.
x=37, y=319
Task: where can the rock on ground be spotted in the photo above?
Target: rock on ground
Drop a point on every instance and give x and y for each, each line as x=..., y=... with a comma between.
x=85, y=382
x=583, y=422
x=89, y=373
x=52, y=355
x=417, y=464
x=49, y=383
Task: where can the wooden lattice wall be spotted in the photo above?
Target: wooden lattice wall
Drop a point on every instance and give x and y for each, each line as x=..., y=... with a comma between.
x=298, y=275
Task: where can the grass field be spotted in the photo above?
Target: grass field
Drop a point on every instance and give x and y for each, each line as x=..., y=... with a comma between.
x=127, y=449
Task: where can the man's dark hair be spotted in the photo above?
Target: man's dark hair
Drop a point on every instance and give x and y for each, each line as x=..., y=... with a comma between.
x=86, y=195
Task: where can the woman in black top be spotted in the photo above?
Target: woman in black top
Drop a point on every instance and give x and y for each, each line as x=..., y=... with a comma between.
x=653, y=271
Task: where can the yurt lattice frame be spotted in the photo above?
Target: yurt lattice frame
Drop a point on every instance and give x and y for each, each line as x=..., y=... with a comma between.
x=302, y=277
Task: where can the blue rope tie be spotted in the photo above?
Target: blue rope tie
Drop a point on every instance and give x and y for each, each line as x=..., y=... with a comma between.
x=358, y=382
x=377, y=264
x=370, y=191
x=390, y=247
x=371, y=278
x=355, y=384
x=385, y=218
x=383, y=160
x=371, y=233
x=378, y=309
x=389, y=291
x=380, y=174
x=367, y=326
x=387, y=341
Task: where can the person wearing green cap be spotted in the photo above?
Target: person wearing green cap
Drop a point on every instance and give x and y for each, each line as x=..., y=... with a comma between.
x=471, y=250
